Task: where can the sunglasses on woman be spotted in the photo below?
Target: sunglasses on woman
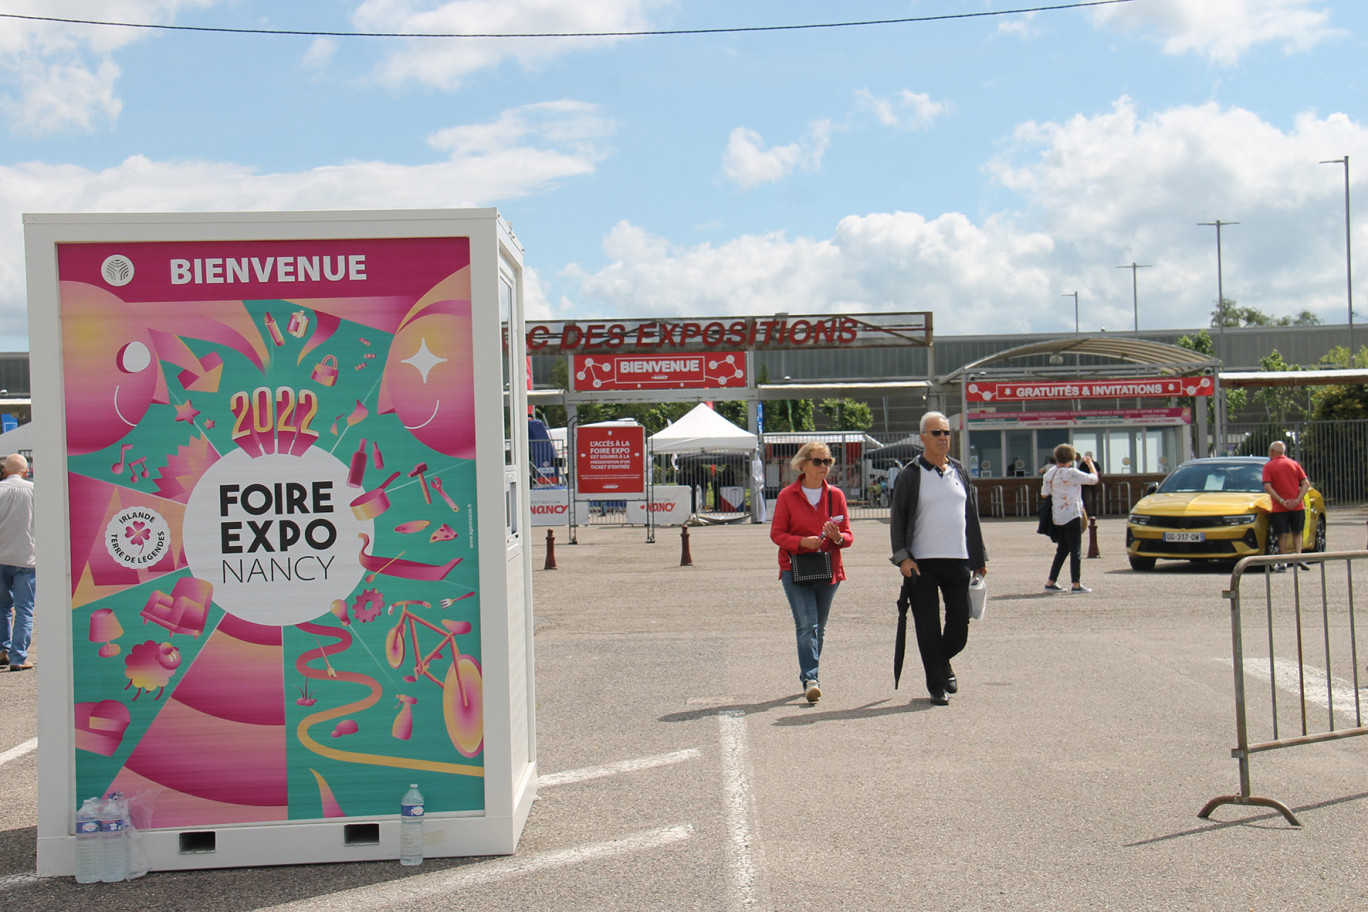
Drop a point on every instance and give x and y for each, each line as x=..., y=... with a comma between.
x=823, y=461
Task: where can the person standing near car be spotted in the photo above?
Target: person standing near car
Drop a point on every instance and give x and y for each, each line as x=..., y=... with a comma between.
x=1064, y=486
x=1286, y=485
x=937, y=547
x=811, y=515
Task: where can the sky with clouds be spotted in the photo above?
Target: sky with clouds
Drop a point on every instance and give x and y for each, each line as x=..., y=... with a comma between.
x=981, y=167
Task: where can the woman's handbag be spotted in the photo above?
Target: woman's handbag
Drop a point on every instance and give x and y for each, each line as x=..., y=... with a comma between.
x=812, y=567
x=1045, y=515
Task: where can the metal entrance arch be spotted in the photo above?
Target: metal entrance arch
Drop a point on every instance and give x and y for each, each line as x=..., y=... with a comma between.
x=1080, y=359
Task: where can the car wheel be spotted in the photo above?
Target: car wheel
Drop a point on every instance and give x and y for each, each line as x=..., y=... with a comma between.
x=1271, y=547
x=1319, y=543
x=1142, y=564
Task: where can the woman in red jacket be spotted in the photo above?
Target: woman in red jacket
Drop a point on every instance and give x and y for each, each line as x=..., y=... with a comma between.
x=810, y=515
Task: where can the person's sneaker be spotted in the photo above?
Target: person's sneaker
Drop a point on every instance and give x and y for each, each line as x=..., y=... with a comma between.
x=4, y=657
x=812, y=691
x=1080, y=589
x=24, y=667
x=1053, y=587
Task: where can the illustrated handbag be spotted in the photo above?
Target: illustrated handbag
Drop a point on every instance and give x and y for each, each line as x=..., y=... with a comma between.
x=325, y=371
x=813, y=567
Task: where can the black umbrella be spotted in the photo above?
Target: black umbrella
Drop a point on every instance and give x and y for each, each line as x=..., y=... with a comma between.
x=900, y=645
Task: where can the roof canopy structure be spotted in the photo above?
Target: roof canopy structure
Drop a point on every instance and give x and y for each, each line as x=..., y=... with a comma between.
x=702, y=430
x=1134, y=353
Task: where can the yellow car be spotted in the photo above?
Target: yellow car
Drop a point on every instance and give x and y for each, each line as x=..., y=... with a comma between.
x=1212, y=509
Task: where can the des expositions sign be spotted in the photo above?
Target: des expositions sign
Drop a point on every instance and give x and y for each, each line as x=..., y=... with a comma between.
x=610, y=461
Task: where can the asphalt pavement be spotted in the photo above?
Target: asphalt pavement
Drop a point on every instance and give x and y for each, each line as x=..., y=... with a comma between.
x=682, y=768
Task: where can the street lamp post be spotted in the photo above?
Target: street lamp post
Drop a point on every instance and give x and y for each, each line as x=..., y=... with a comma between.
x=1135, y=293
x=1220, y=327
x=1074, y=295
x=1348, y=255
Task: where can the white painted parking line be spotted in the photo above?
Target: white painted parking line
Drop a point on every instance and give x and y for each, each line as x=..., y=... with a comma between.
x=14, y=753
x=744, y=853
x=10, y=881
x=612, y=769
x=1318, y=686
x=442, y=883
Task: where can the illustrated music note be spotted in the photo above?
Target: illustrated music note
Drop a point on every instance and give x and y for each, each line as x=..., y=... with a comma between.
x=134, y=466
x=118, y=467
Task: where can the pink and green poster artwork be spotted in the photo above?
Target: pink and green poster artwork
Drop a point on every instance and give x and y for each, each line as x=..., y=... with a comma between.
x=271, y=472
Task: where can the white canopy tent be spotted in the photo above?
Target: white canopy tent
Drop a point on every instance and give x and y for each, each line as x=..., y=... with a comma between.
x=703, y=431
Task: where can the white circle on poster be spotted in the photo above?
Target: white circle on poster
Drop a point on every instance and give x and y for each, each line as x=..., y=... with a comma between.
x=274, y=535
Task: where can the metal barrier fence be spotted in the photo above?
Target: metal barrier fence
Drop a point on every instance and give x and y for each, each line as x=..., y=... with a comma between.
x=1292, y=630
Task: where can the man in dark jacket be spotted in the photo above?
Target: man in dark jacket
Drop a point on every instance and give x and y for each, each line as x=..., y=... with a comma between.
x=937, y=546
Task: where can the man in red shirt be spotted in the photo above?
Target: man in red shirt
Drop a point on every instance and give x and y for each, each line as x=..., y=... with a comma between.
x=1286, y=485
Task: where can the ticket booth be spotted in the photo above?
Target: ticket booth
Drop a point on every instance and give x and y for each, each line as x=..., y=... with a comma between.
x=282, y=544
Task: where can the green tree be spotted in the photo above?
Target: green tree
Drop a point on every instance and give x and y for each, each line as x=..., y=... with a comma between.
x=847, y=414
x=1230, y=313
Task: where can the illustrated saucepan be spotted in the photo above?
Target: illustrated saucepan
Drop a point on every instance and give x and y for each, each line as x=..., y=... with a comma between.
x=373, y=502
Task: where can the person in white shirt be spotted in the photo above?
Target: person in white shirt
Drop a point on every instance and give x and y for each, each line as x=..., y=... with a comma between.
x=18, y=587
x=1063, y=484
x=937, y=547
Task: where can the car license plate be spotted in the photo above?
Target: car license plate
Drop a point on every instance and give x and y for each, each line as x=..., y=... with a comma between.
x=1184, y=536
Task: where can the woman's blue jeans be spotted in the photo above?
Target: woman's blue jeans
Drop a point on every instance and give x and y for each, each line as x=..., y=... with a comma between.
x=811, y=606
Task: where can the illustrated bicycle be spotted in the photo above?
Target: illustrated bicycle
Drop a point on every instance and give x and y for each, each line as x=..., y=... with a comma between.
x=462, y=685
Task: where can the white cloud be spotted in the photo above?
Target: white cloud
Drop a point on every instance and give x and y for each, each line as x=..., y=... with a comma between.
x=320, y=53
x=748, y=162
x=1222, y=30
x=1093, y=193
x=547, y=144
x=445, y=62
x=906, y=110
x=63, y=76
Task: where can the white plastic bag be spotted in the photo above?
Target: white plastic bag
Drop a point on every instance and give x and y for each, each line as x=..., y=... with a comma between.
x=978, y=597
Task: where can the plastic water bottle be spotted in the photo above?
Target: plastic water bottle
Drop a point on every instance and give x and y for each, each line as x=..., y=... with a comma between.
x=411, y=827
x=88, y=856
x=114, y=839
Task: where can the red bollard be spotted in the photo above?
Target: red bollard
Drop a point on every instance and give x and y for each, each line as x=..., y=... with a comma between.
x=1092, y=537
x=685, y=558
x=550, y=550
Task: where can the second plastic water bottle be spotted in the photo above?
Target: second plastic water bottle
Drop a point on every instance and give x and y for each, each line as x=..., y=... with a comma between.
x=411, y=827
x=114, y=839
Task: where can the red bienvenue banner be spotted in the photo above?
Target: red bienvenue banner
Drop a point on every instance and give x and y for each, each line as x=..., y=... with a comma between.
x=610, y=460
x=1155, y=387
x=711, y=370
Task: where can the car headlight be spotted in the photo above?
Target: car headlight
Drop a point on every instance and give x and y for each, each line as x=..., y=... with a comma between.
x=1139, y=519
x=1242, y=519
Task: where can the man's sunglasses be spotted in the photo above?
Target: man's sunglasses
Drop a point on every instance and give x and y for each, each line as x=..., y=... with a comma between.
x=939, y=433
x=822, y=461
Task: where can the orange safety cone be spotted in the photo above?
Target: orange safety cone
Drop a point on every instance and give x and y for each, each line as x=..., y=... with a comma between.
x=685, y=558
x=550, y=550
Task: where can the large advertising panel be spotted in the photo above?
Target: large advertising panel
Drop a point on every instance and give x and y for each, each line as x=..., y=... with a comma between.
x=271, y=468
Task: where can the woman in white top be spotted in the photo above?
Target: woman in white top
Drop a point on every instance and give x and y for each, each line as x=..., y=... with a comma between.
x=1064, y=485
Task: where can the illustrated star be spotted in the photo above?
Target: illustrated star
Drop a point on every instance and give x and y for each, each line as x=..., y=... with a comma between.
x=209, y=424
x=187, y=412
x=423, y=359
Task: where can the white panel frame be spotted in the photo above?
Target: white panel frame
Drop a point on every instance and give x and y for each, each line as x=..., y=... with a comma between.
x=508, y=792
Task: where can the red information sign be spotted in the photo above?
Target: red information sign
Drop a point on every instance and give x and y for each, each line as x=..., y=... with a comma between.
x=1045, y=390
x=698, y=370
x=610, y=460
